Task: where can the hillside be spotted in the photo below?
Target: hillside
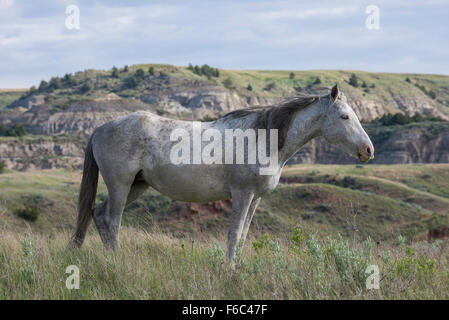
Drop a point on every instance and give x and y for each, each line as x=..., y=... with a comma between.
x=423, y=142
x=183, y=93
x=356, y=201
x=63, y=112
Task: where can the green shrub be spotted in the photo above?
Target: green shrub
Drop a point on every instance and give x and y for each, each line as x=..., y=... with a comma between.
x=402, y=119
x=2, y=166
x=55, y=83
x=228, y=84
x=16, y=130
x=204, y=70
x=264, y=242
x=350, y=262
x=354, y=80
x=115, y=73
x=43, y=85
x=69, y=79
x=139, y=74
x=29, y=267
x=86, y=87
x=208, y=118
x=28, y=213
x=270, y=86
x=298, y=237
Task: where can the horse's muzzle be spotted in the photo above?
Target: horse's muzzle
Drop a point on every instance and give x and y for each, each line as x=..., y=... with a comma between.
x=366, y=152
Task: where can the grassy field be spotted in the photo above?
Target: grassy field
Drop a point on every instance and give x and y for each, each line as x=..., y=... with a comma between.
x=312, y=238
x=157, y=266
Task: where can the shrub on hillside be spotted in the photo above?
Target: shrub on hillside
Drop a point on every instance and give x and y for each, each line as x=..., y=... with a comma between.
x=55, y=83
x=2, y=166
x=86, y=87
x=402, y=119
x=135, y=79
x=204, y=70
x=28, y=213
x=43, y=85
x=228, y=84
x=270, y=86
x=115, y=73
x=139, y=74
x=69, y=79
x=354, y=80
x=16, y=130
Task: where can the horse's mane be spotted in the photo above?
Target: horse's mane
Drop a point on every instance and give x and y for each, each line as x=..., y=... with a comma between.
x=277, y=116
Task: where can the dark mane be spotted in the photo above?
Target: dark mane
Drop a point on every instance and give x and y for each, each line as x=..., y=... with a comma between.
x=278, y=116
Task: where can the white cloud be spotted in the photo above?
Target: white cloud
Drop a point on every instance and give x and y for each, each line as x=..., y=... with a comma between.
x=5, y=4
x=231, y=34
x=303, y=13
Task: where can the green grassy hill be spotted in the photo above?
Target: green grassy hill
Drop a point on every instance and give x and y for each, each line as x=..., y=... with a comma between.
x=374, y=201
x=7, y=96
x=394, y=92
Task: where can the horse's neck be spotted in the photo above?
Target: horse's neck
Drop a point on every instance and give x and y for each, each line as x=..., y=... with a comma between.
x=305, y=126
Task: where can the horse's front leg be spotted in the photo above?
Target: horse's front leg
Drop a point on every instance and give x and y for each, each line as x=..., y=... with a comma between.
x=241, y=201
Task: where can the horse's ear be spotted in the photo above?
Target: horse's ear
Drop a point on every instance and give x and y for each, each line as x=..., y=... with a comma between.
x=334, y=93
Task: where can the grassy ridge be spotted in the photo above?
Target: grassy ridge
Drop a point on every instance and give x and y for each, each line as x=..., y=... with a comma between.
x=374, y=201
x=381, y=87
x=155, y=266
x=7, y=96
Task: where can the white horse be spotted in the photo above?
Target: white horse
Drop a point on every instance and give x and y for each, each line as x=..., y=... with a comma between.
x=133, y=153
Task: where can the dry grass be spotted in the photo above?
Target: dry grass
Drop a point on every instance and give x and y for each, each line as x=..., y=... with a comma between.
x=156, y=266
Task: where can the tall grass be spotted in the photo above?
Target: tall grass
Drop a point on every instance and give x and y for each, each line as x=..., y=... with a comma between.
x=156, y=266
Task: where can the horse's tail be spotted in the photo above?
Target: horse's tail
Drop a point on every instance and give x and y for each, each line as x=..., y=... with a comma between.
x=86, y=199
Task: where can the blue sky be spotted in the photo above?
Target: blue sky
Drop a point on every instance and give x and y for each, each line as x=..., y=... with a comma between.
x=245, y=34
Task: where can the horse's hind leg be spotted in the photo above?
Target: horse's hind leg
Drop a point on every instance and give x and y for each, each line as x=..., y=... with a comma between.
x=108, y=215
x=108, y=221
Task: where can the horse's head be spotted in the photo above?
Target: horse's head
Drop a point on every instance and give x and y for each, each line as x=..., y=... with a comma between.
x=343, y=129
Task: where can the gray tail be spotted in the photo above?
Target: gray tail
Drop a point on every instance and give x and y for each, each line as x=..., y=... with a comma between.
x=86, y=199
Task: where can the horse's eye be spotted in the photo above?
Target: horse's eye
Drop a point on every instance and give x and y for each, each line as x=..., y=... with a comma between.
x=344, y=116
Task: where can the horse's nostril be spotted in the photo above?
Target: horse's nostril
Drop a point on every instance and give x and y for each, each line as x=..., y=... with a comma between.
x=368, y=150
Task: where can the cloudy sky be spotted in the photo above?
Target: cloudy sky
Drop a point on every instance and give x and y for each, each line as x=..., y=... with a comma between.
x=35, y=43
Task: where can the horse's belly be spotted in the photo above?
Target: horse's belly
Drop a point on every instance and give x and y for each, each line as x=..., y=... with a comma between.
x=191, y=183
